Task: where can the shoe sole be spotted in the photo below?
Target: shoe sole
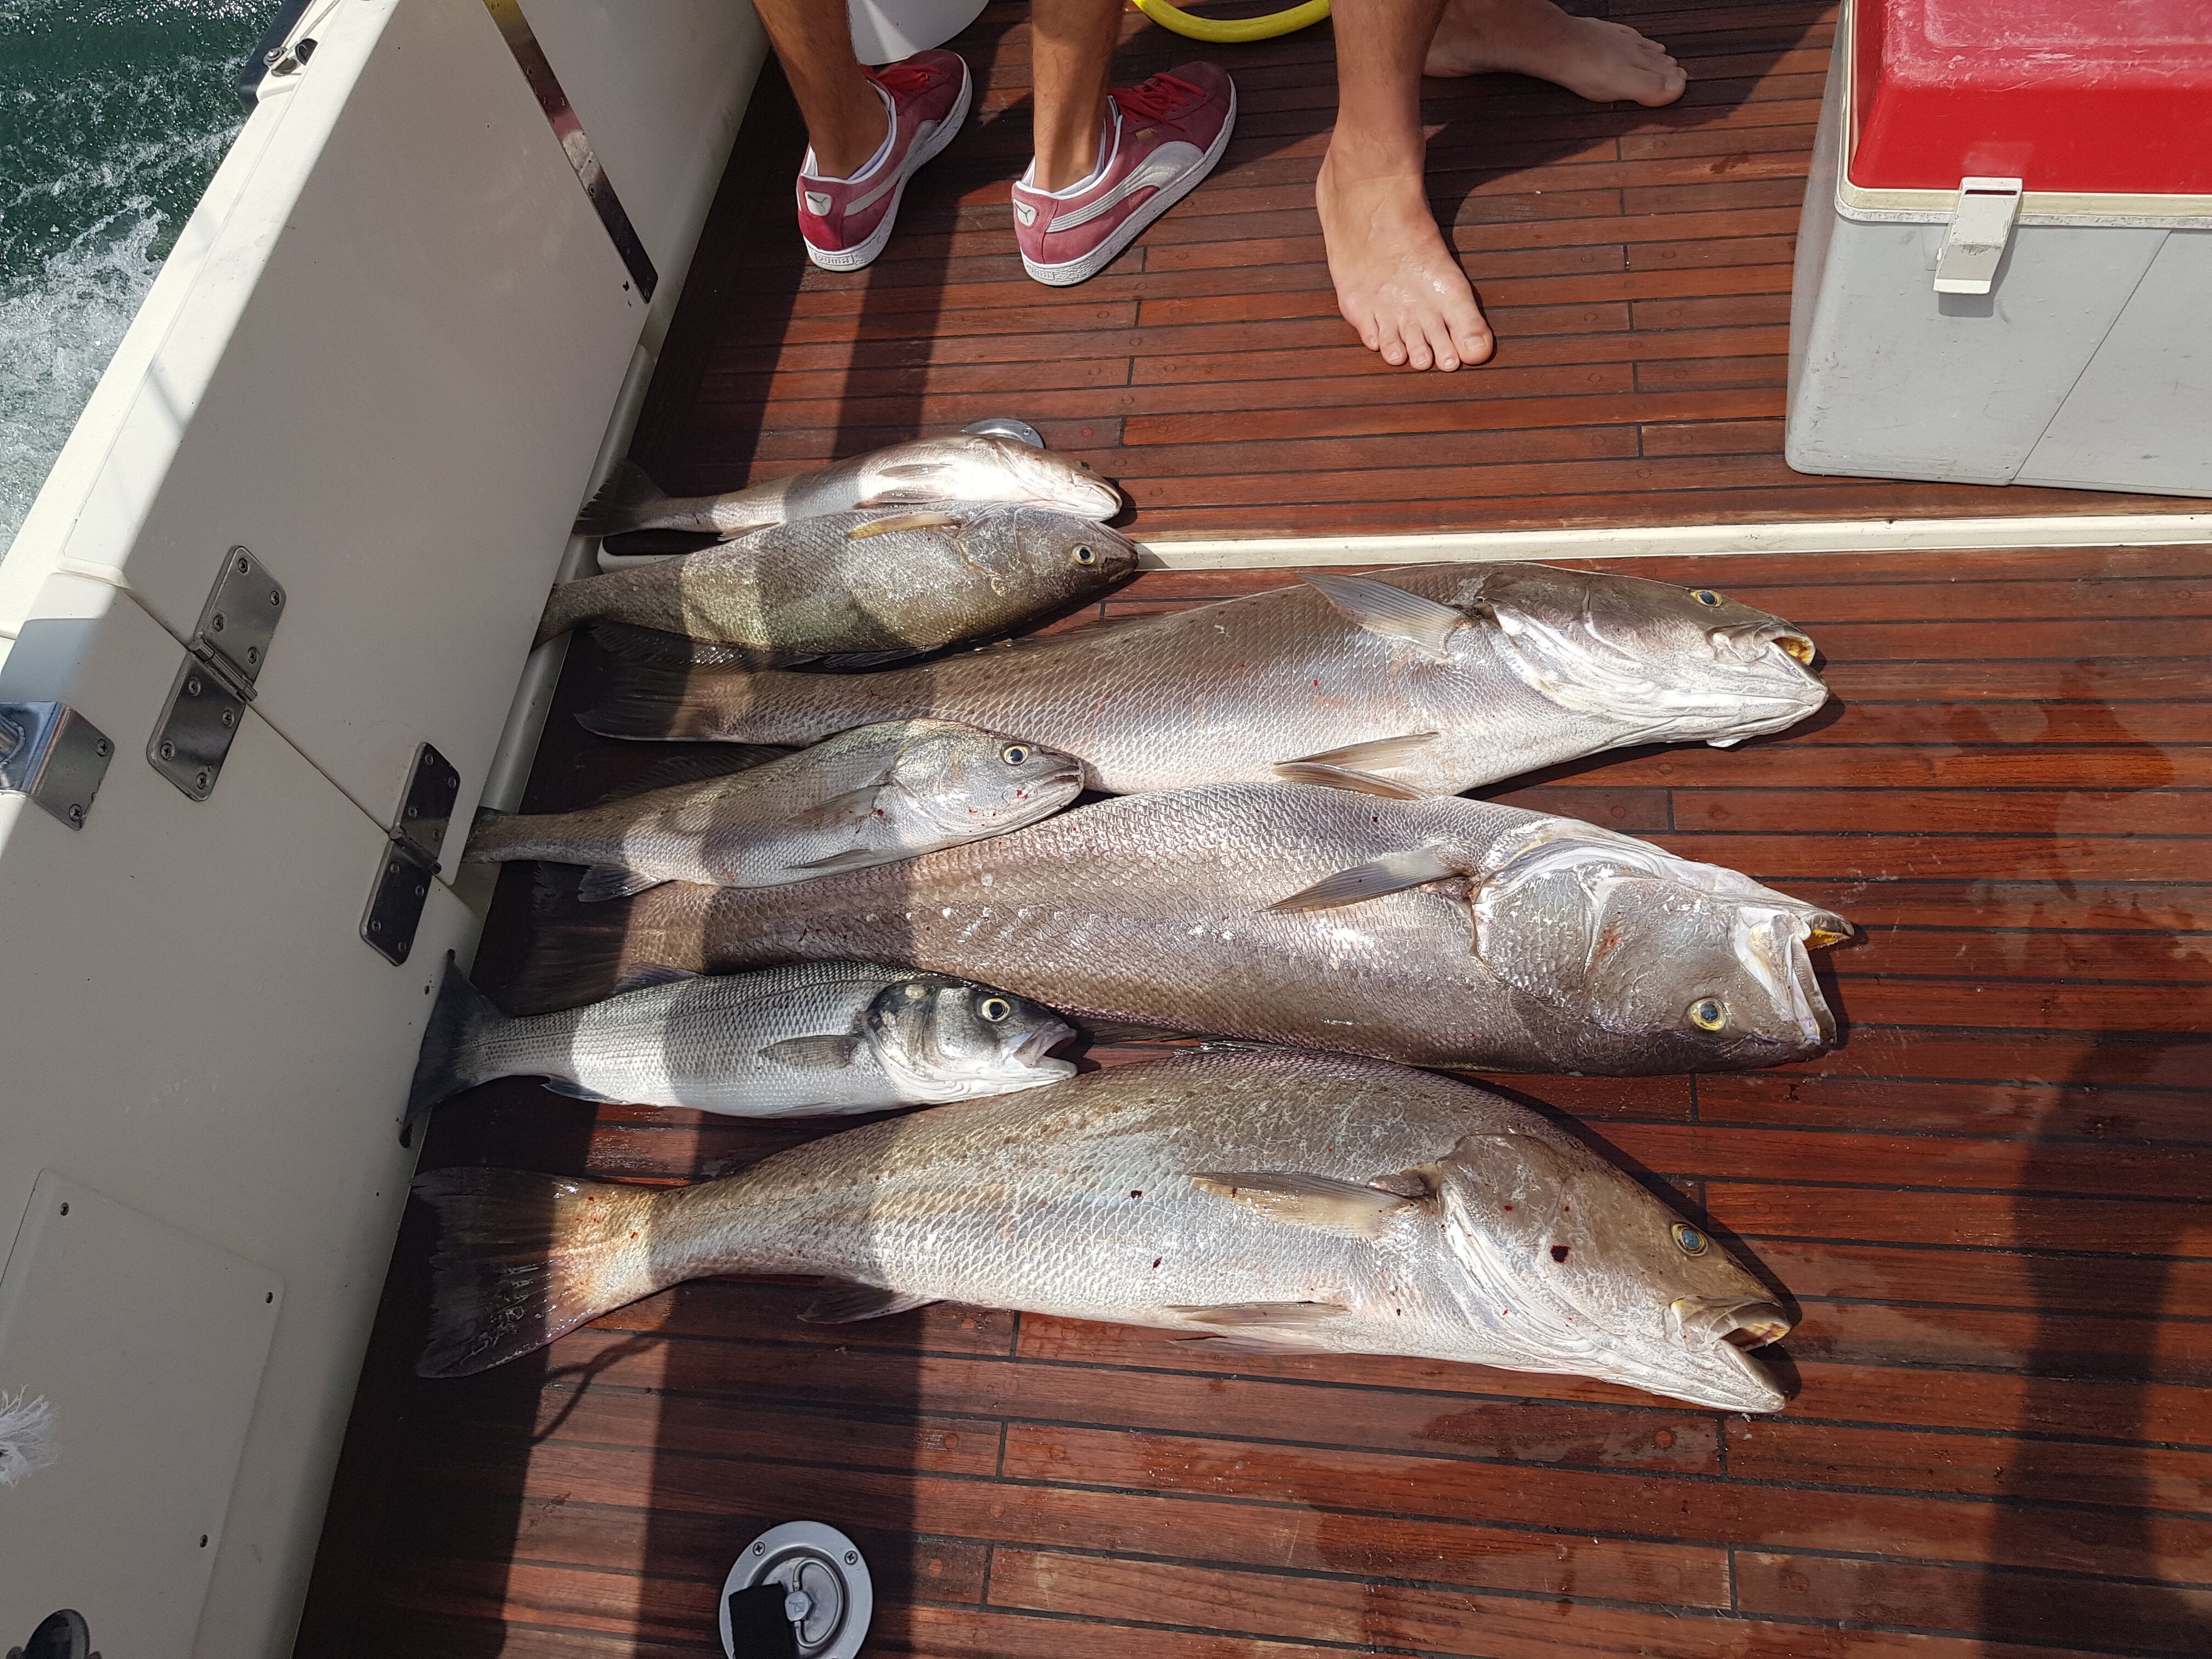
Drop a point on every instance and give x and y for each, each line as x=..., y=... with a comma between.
x=1072, y=271
x=852, y=259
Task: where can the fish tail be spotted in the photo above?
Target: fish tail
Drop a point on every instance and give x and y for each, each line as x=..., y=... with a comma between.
x=525, y=1258
x=568, y=604
x=630, y=500
x=583, y=952
x=461, y=1019
x=650, y=699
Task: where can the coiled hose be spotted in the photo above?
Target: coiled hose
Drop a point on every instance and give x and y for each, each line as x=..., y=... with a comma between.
x=1233, y=30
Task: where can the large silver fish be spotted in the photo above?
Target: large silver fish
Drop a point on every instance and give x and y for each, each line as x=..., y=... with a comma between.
x=961, y=466
x=856, y=588
x=809, y=1041
x=1439, y=933
x=1427, y=680
x=867, y=796
x=1262, y=1200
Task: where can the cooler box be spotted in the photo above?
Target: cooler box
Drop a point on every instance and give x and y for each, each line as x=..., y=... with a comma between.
x=2004, y=271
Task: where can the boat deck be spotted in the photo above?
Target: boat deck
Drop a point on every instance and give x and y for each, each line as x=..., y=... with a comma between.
x=1991, y=1202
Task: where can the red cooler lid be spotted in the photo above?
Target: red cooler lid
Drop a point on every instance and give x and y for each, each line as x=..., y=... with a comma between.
x=2094, y=95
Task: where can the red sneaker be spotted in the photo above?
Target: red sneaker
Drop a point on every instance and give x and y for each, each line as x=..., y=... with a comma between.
x=846, y=222
x=1160, y=139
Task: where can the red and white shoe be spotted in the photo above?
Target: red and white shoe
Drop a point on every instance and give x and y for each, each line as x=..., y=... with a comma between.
x=1159, y=140
x=846, y=222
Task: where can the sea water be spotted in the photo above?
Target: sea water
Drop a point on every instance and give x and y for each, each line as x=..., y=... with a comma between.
x=113, y=114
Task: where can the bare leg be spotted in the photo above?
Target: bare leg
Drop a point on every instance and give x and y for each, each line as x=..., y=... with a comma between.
x=1397, y=283
x=1071, y=60
x=846, y=120
x=1600, y=60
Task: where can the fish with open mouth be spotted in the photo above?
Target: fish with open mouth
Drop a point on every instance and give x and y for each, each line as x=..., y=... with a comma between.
x=868, y=796
x=1269, y=1202
x=959, y=466
x=1447, y=932
x=855, y=589
x=1425, y=680
x=808, y=1040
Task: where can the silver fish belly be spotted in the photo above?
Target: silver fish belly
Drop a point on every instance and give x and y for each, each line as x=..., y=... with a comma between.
x=1432, y=679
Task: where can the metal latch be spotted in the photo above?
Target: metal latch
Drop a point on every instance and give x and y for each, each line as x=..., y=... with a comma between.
x=410, y=862
x=1979, y=231
x=208, y=700
x=55, y=756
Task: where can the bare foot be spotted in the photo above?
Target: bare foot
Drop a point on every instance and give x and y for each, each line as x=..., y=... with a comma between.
x=1396, y=282
x=1603, y=61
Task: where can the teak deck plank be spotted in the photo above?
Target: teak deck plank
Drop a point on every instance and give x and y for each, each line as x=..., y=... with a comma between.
x=1991, y=1204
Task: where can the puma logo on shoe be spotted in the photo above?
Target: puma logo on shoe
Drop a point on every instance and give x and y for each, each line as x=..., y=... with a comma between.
x=1163, y=166
x=818, y=204
x=1026, y=213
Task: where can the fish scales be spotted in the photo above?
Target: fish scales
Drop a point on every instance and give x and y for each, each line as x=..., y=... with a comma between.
x=1156, y=910
x=1526, y=667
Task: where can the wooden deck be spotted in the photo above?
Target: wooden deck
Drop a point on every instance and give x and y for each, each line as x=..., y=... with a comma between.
x=1991, y=1202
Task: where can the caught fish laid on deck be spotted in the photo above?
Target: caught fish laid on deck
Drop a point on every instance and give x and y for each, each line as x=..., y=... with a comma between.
x=812, y=1039
x=961, y=466
x=1265, y=1200
x=854, y=589
x=1427, y=680
x=1445, y=932
x=867, y=796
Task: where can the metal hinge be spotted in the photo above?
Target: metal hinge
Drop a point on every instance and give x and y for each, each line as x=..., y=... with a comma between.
x=410, y=862
x=208, y=700
x=55, y=756
x=1980, y=229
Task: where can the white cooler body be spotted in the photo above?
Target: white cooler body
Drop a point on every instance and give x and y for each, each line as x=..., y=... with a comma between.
x=2088, y=363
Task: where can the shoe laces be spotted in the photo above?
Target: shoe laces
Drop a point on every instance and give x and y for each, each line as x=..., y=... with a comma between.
x=1163, y=98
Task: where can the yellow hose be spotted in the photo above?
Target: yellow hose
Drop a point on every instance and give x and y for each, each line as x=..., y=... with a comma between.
x=1233, y=30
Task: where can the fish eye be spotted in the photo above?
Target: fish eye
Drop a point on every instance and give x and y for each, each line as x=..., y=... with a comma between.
x=1014, y=753
x=1689, y=1239
x=994, y=1009
x=1709, y=1014
x=1704, y=596
x=1085, y=554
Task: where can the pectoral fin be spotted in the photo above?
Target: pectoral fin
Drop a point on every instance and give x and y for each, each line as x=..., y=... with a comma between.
x=1339, y=777
x=1391, y=873
x=1265, y=1327
x=1390, y=611
x=575, y=1090
x=839, y=812
x=917, y=520
x=841, y=1302
x=813, y=1054
x=613, y=881
x=858, y=859
x=1320, y=1202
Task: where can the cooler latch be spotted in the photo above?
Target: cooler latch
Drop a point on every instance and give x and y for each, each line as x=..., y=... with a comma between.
x=1980, y=229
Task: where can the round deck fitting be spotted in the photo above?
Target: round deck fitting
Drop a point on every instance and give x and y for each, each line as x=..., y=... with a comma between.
x=1005, y=426
x=828, y=1596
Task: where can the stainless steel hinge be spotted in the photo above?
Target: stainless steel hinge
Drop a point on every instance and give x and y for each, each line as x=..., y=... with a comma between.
x=55, y=756
x=207, y=699
x=410, y=862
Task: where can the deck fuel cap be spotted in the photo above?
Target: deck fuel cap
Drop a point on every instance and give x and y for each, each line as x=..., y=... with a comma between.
x=800, y=1587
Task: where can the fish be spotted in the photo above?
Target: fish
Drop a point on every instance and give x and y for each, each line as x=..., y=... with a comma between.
x=1425, y=680
x=959, y=466
x=855, y=589
x=867, y=796
x=1446, y=933
x=808, y=1040
x=1267, y=1202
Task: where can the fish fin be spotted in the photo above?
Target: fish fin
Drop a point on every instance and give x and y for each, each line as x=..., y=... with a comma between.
x=704, y=764
x=613, y=881
x=524, y=1258
x=814, y=1054
x=920, y=518
x=1390, y=611
x=1265, y=1327
x=1342, y=777
x=581, y=953
x=850, y=662
x=461, y=1017
x=1393, y=872
x=1322, y=1202
x=1253, y=1342
x=632, y=642
x=843, y=1302
x=1380, y=752
x=644, y=700
x=575, y=1090
x=860, y=857
x=625, y=501
x=847, y=811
